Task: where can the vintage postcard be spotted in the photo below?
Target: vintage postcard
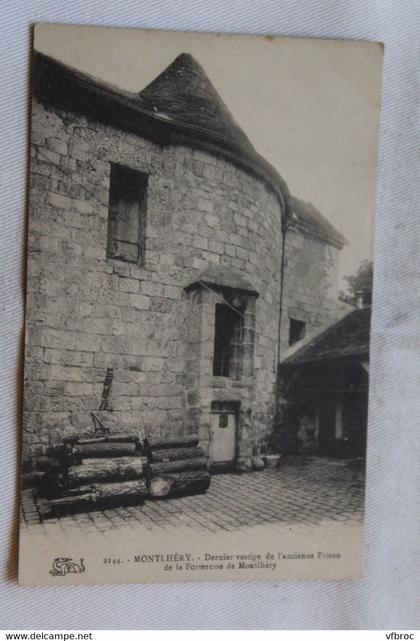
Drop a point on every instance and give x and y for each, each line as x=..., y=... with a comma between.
x=198, y=306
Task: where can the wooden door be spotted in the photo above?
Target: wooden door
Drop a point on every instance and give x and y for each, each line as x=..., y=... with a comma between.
x=222, y=438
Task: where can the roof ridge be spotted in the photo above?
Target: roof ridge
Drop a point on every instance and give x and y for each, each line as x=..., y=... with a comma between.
x=312, y=219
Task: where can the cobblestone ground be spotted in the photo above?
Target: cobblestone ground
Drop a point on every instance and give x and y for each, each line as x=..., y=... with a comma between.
x=304, y=492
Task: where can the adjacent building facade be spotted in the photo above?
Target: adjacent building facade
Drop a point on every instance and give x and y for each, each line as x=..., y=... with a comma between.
x=324, y=386
x=169, y=266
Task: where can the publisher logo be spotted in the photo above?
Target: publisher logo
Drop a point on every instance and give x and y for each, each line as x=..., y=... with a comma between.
x=64, y=565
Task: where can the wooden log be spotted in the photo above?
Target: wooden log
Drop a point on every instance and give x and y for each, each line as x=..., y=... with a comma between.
x=44, y=463
x=110, y=438
x=62, y=451
x=190, y=482
x=170, y=443
x=69, y=504
x=100, y=496
x=53, y=482
x=175, y=454
x=103, y=490
x=159, y=469
x=160, y=487
x=106, y=470
x=182, y=483
x=105, y=449
x=31, y=479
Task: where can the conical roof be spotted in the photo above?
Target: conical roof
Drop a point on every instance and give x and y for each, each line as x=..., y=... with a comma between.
x=180, y=106
x=183, y=92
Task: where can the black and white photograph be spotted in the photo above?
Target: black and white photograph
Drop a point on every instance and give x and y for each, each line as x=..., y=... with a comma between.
x=199, y=293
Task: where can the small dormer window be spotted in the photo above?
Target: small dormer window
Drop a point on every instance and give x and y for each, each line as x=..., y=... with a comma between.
x=127, y=214
x=297, y=330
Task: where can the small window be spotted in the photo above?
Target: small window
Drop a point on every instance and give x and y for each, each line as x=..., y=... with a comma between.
x=127, y=214
x=227, y=342
x=223, y=420
x=297, y=330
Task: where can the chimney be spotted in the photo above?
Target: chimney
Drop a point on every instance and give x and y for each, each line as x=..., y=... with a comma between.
x=360, y=299
x=363, y=299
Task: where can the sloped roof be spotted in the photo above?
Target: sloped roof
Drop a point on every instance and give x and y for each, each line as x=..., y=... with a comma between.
x=311, y=220
x=184, y=92
x=347, y=338
x=222, y=276
x=180, y=106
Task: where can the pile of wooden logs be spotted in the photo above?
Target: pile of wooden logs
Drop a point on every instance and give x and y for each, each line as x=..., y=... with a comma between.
x=116, y=470
x=96, y=473
x=176, y=467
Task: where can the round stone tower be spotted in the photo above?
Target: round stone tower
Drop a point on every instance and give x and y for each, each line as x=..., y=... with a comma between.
x=158, y=302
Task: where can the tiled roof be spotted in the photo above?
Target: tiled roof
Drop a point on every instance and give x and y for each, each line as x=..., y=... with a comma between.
x=306, y=216
x=180, y=106
x=347, y=338
x=183, y=92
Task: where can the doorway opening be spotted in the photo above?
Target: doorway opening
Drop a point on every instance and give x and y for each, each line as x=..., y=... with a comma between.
x=223, y=435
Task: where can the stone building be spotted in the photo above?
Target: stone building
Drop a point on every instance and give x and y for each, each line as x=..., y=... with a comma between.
x=325, y=388
x=169, y=266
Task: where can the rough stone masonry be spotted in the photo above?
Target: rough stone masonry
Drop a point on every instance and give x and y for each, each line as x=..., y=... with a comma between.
x=218, y=227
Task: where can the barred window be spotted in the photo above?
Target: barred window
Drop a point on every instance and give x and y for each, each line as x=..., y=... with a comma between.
x=227, y=342
x=127, y=214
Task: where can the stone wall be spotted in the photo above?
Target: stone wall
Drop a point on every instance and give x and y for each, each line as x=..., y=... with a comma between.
x=309, y=295
x=310, y=283
x=87, y=313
